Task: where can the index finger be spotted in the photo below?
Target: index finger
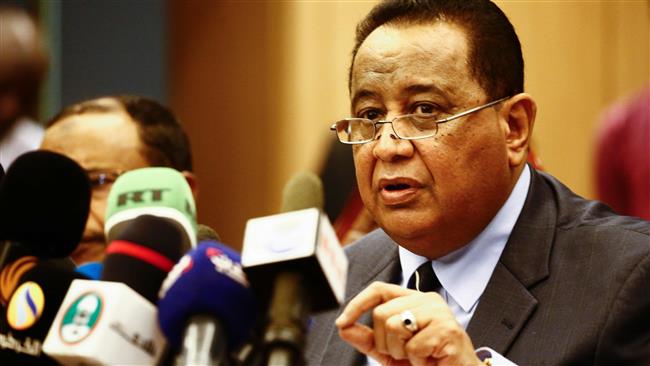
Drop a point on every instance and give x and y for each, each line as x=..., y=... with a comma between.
x=373, y=295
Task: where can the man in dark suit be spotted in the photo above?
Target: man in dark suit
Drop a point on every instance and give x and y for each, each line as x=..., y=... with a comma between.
x=479, y=258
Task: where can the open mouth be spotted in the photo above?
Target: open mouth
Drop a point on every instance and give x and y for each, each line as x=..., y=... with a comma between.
x=397, y=187
x=397, y=184
x=398, y=191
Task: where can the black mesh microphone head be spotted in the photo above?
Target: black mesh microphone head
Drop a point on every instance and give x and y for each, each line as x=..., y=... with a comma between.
x=143, y=253
x=45, y=198
x=32, y=308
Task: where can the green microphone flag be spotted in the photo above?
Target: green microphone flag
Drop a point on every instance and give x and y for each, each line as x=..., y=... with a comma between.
x=156, y=191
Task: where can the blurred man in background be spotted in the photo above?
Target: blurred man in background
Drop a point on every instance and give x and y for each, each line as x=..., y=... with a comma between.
x=623, y=156
x=23, y=64
x=109, y=136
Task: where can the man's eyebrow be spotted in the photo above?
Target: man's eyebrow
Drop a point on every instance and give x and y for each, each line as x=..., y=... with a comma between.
x=409, y=90
x=363, y=93
x=424, y=88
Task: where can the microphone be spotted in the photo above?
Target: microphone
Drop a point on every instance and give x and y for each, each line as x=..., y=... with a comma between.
x=45, y=198
x=124, y=329
x=296, y=265
x=30, y=309
x=205, y=232
x=104, y=323
x=11, y=273
x=206, y=308
x=93, y=270
x=143, y=253
x=156, y=191
x=10, y=276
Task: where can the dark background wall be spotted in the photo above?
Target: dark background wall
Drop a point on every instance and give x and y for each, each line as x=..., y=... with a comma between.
x=101, y=47
x=112, y=47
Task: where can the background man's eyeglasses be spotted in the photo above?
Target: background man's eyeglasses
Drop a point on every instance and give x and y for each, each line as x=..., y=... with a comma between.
x=407, y=127
x=100, y=178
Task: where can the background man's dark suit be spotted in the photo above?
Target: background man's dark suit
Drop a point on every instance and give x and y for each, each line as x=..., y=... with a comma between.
x=572, y=287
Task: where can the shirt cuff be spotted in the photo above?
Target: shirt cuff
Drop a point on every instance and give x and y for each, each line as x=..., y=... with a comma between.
x=496, y=359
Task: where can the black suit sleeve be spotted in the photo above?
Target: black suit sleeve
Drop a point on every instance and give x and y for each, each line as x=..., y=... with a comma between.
x=625, y=338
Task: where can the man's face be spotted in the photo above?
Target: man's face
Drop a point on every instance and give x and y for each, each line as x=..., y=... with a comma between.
x=99, y=142
x=432, y=195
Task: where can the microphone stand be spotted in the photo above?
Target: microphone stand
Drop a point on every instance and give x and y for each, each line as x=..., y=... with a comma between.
x=204, y=343
x=284, y=336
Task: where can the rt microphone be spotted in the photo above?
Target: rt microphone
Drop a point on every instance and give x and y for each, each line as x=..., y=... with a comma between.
x=296, y=265
x=206, y=309
x=93, y=270
x=143, y=253
x=157, y=191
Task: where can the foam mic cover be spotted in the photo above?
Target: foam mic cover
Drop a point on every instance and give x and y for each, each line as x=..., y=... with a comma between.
x=205, y=232
x=45, y=198
x=143, y=253
x=207, y=281
x=303, y=190
x=26, y=320
x=156, y=191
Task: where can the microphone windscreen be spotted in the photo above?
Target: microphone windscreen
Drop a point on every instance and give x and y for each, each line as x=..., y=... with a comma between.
x=45, y=198
x=208, y=280
x=157, y=191
x=143, y=253
x=205, y=232
x=31, y=311
x=303, y=190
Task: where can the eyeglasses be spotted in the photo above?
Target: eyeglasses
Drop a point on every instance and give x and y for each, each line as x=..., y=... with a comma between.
x=100, y=178
x=407, y=127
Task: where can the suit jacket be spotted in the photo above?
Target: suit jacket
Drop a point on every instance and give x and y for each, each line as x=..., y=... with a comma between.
x=572, y=287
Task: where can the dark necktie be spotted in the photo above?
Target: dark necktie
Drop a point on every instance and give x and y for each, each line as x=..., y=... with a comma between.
x=424, y=279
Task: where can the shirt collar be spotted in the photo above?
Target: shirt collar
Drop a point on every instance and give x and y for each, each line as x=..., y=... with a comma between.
x=464, y=273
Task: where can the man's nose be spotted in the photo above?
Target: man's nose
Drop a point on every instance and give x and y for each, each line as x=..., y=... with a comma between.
x=389, y=146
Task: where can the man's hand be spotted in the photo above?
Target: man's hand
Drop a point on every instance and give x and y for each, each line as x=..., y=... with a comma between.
x=439, y=341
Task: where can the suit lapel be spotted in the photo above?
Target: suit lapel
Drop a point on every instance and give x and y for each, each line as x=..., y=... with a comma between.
x=503, y=310
x=376, y=259
x=507, y=303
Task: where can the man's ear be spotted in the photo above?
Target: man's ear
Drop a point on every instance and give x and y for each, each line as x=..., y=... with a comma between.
x=193, y=182
x=519, y=114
